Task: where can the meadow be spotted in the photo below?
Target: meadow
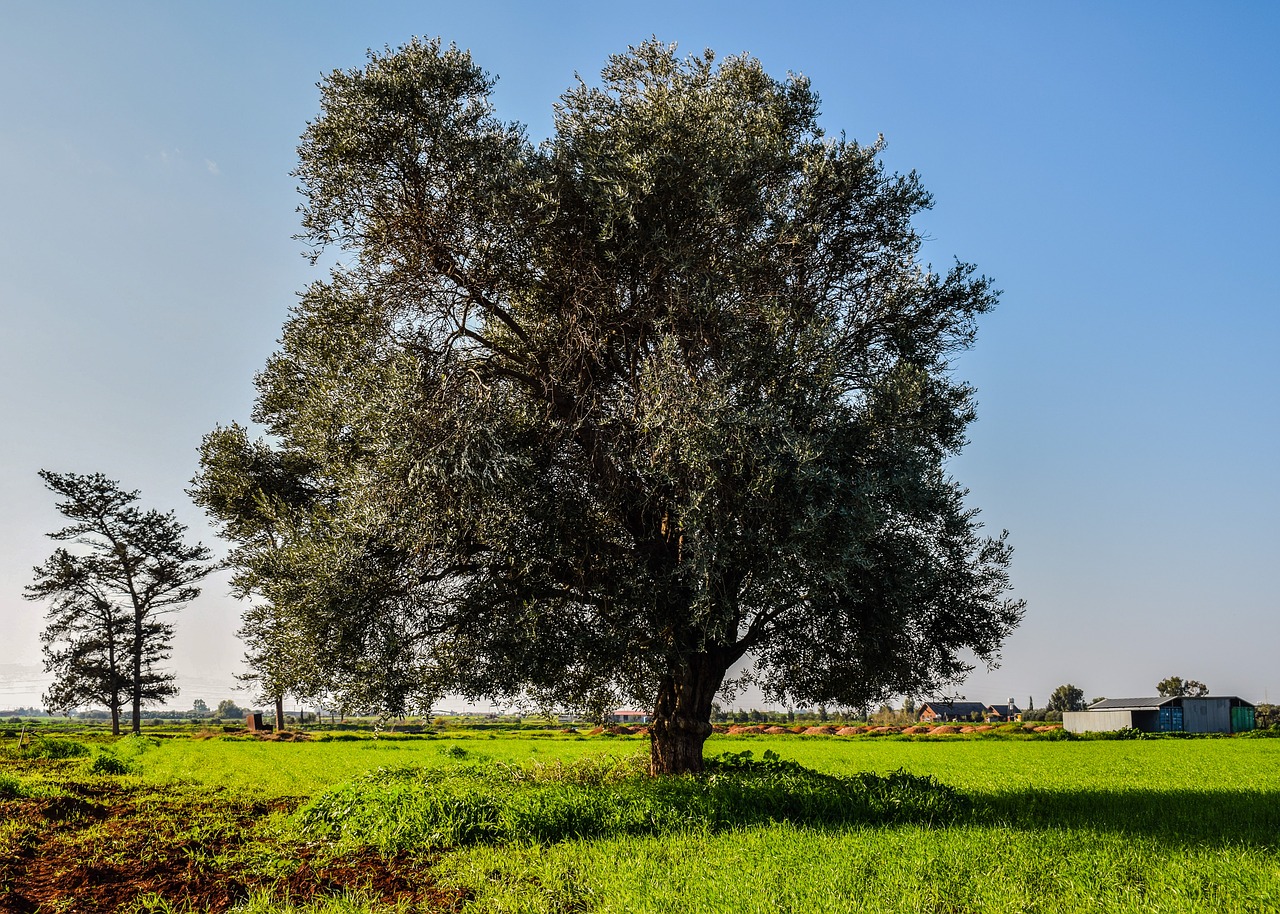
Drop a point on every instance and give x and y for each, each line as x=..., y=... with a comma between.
x=552, y=822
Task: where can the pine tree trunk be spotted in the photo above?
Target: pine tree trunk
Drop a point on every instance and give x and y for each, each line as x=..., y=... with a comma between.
x=682, y=717
x=137, y=673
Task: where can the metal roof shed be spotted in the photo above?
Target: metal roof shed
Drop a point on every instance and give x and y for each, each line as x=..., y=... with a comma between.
x=1164, y=714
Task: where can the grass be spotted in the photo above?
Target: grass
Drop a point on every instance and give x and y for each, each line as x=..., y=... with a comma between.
x=554, y=824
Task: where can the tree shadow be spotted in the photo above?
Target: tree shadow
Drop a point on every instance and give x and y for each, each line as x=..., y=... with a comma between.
x=1175, y=817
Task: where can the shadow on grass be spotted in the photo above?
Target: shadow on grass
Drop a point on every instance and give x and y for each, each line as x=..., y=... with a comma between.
x=1174, y=817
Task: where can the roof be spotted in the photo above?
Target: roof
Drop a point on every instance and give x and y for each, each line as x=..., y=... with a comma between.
x=1132, y=704
x=956, y=707
x=1151, y=704
x=1009, y=708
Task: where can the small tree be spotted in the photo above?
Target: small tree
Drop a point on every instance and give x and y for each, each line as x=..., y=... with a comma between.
x=86, y=646
x=1176, y=687
x=1066, y=698
x=229, y=710
x=133, y=561
x=199, y=708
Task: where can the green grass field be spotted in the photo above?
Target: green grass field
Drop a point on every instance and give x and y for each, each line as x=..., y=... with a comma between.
x=1040, y=825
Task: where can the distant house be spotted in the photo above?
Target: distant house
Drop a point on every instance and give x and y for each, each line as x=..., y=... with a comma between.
x=1176, y=714
x=1003, y=713
x=629, y=716
x=942, y=711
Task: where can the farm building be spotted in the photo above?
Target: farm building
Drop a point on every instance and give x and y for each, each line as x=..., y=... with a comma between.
x=1176, y=714
x=1003, y=713
x=953, y=710
x=629, y=716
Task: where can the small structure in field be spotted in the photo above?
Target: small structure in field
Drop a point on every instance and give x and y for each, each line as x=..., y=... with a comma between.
x=1172, y=714
x=629, y=716
x=253, y=720
x=940, y=711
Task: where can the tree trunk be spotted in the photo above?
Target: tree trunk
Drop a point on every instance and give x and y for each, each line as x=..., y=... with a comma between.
x=682, y=717
x=279, y=713
x=137, y=673
x=115, y=716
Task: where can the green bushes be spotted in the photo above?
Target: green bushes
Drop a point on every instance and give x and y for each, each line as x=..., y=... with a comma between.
x=56, y=749
x=399, y=809
x=106, y=763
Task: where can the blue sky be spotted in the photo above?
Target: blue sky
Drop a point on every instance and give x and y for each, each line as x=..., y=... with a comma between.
x=1111, y=166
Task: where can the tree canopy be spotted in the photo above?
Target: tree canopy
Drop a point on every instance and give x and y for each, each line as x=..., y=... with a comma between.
x=1176, y=687
x=1067, y=698
x=606, y=417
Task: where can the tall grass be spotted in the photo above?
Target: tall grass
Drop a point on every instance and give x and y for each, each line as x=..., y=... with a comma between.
x=400, y=809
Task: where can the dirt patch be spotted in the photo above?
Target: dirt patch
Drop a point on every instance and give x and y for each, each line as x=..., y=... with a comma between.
x=105, y=846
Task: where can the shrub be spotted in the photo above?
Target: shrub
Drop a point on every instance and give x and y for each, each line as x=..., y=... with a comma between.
x=106, y=763
x=401, y=809
x=54, y=749
x=10, y=787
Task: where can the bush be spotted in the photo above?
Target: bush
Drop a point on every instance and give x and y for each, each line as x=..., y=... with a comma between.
x=402, y=809
x=106, y=763
x=54, y=749
x=10, y=787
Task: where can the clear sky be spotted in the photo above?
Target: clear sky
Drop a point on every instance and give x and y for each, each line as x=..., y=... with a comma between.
x=1112, y=166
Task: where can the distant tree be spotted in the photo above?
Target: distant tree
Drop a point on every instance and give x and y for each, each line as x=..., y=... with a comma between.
x=1066, y=698
x=1094, y=701
x=229, y=710
x=199, y=708
x=1176, y=687
x=1031, y=702
x=132, y=560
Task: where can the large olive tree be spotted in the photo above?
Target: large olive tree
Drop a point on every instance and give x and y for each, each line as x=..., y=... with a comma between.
x=611, y=416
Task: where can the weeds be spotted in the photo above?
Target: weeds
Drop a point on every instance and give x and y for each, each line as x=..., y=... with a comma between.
x=54, y=749
x=106, y=763
x=412, y=809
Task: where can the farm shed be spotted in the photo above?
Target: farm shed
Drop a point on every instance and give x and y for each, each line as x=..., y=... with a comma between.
x=1003, y=713
x=629, y=716
x=1176, y=714
x=953, y=710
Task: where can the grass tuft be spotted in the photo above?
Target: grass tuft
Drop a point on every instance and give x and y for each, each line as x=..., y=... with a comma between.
x=400, y=809
x=54, y=749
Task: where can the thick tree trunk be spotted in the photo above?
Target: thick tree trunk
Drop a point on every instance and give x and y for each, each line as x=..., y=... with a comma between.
x=279, y=713
x=115, y=716
x=682, y=717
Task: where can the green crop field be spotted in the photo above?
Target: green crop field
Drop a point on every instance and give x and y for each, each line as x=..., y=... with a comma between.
x=507, y=822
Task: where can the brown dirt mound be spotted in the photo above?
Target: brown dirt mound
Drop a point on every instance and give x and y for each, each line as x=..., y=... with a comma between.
x=107, y=846
x=945, y=731
x=984, y=728
x=848, y=731
x=719, y=728
x=1048, y=727
x=776, y=730
x=820, y=731
x=911, y=731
